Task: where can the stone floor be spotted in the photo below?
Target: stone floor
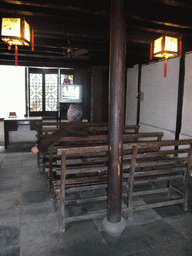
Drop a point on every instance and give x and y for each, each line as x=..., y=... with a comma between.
x=29, y=222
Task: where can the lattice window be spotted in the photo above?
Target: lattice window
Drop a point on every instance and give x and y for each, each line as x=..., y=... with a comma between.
x=36, y=92
x=44, y=88
x=51, y=92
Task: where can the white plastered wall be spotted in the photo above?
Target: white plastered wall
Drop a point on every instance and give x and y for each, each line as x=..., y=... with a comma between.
x=186, y=128
x=12, y=96
x=158, y=110
x=131, y=96
x=12, y=99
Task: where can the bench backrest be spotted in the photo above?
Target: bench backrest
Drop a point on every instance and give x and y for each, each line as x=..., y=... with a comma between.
x=138, y=158
x=47, y=128
x=170, y=156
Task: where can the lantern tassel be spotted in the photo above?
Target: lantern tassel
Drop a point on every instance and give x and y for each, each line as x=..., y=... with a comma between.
x=151, y=51
x=180, y=50
x=9, y=47
x=16, y=55
x=32, y=40
x=165, y=68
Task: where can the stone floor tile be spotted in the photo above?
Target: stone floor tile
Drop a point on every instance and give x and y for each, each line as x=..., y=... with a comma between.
x=32, y=234
x=177, y=248
x=9, y=235
x=94, y=192
x=182, y=223
x=11, y=251
x=169, y=211
x=31, y=197
x=10, y=171
x=160, y=233
x=10, y=199
x=8, y=215
x=129, y=242
x=31, y=249
x=75, y=210
x=29, y=163
x=10, y=184
x=96, y=206
x=91, y=244
x=76, y=228
x=32, y=183
x=146, y=252
x=142, y=217
x=37, y=212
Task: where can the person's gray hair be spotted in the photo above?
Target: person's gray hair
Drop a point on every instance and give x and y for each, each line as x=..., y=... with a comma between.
x=75, y=112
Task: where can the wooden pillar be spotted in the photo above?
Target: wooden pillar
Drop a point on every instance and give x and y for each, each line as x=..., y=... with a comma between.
x=180, y=93
x=116, y=109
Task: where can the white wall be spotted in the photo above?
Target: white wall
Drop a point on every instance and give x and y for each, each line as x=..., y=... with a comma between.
x=158, y=110
x=12, y=99
x=131, y=96
x=12, y=96
x=1, y=132
x=186, y=128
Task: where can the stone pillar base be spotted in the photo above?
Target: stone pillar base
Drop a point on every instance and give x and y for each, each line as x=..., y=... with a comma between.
x=114, y=229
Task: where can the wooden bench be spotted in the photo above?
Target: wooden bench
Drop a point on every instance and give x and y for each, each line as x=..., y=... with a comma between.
x=85, y=168
x=47, y=128
x=104, y=129
x=50, y=158
x=172, y=162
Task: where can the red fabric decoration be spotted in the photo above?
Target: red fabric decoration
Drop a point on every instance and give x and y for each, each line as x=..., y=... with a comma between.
x=151, y=51
x=16, y=55
x=165, y=68
x=180, y=50
x=32, y=40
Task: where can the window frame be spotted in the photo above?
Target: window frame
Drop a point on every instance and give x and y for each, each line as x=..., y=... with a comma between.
x=44, y=71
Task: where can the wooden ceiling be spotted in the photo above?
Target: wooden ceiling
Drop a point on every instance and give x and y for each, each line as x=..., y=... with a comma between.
x=85, y=25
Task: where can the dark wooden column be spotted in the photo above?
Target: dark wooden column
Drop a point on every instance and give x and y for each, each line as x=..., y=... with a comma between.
x=139, y=94
x=116, y=109
x=180, y=93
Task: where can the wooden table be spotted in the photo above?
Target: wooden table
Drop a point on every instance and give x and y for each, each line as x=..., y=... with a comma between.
x=11, y=124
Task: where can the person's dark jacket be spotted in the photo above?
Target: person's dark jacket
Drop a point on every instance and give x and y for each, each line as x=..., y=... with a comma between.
x=71, y=129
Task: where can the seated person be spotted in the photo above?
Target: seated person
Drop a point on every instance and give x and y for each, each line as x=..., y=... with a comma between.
x=75, y=127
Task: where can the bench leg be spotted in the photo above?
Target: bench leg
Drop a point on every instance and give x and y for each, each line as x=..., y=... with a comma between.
x=62, y=194
x=168, y=191
x=185, y=205
x=185, y=194
x=62, y=213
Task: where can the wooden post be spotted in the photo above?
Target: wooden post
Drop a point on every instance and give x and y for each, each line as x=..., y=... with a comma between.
x=116, y=109
x=180, y=95
x=62, y=193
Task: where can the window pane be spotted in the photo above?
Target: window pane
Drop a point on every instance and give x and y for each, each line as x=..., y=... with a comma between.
x=70, y=77
x=50, y=92
x=35, y=92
